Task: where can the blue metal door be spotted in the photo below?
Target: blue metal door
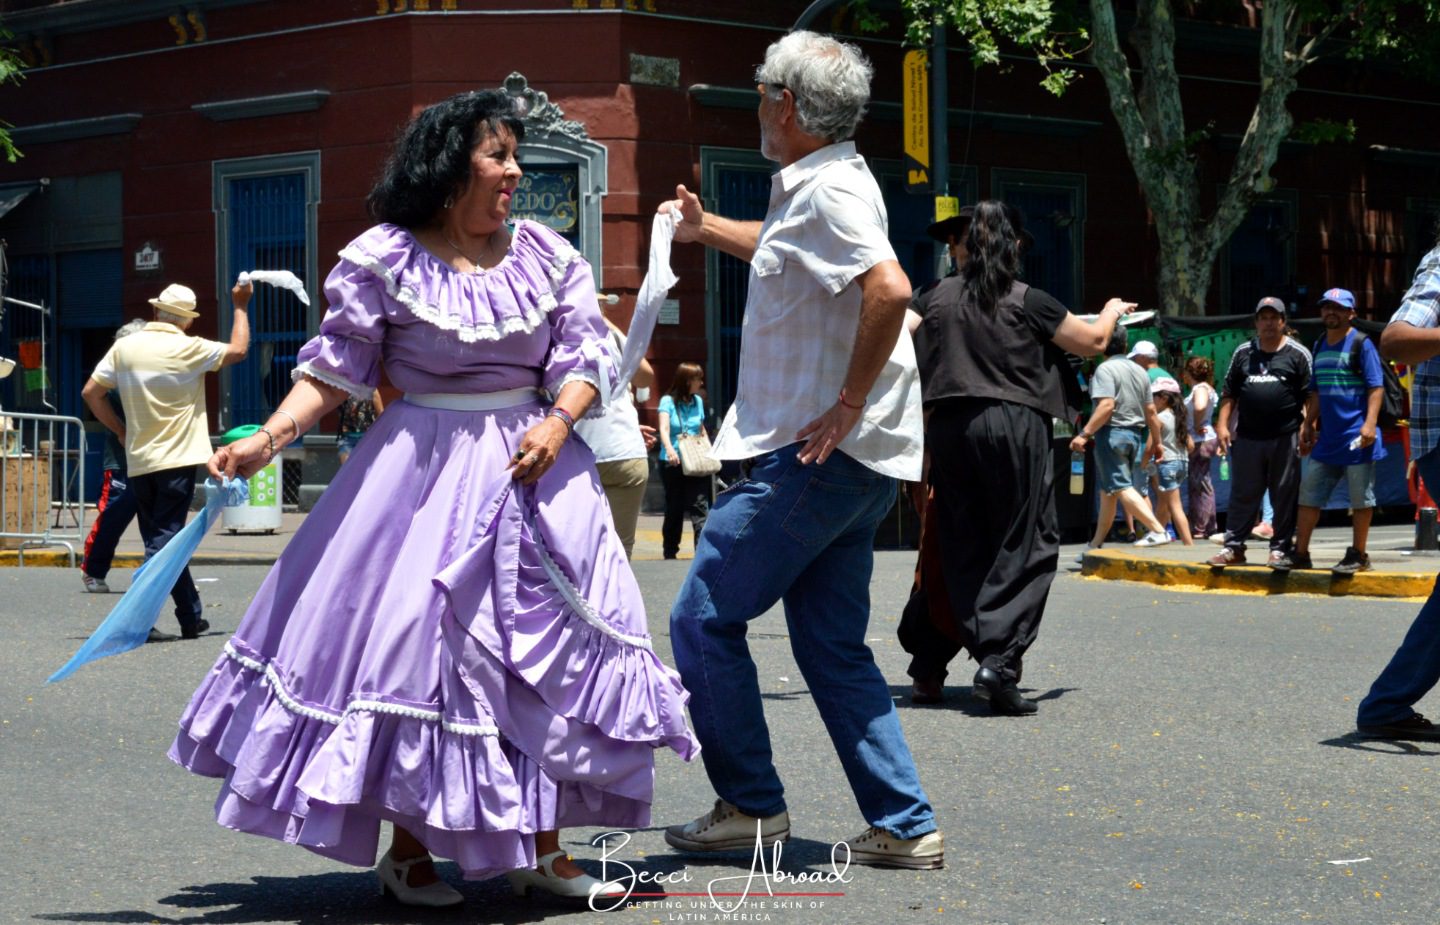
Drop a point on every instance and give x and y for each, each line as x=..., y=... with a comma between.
x=267, y=232
x=1049, y=263
x=1258, y=256
x=744, y=194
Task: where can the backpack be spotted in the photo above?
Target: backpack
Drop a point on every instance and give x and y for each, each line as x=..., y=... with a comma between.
x=1392, y=404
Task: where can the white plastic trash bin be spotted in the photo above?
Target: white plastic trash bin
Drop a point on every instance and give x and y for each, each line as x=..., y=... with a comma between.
x=262, y=513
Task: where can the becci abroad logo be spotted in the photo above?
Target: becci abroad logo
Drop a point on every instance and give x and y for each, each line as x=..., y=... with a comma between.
x=720, y=892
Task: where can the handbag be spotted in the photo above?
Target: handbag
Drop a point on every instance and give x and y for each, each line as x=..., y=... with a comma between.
x=695, y=455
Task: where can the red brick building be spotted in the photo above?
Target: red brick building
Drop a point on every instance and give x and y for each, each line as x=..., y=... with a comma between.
x=186, y=141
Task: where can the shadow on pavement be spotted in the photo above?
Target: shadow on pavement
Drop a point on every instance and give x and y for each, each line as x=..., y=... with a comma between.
x=352, y=898
x=340, y=898
x=962, y=699
x=1361, y=743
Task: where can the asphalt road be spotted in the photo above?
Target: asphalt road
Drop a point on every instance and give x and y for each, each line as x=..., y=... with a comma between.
x=1191, y=763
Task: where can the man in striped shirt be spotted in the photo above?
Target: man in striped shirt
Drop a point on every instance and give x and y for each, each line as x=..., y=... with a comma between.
x=1347, y=385
x=160, y=374
x=1413, y=338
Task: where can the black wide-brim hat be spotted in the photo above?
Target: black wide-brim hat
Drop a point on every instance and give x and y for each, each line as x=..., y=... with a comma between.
x=955, y=225
x=959, y=226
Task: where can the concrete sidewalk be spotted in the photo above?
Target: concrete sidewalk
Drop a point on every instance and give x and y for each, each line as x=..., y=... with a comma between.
x=1397, y=570
x=223, y=548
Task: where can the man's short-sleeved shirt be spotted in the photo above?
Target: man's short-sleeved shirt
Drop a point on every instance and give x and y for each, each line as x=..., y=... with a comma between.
x=160, y=374
x=1268, y=389
x=1421, y=308
x=1344, y=399
x=826, y=225
x=1123, y=380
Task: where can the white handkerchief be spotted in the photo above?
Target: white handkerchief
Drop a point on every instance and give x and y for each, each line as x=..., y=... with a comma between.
x=281, y=278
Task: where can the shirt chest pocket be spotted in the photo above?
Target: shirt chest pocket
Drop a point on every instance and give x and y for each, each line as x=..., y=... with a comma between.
x=767, y=262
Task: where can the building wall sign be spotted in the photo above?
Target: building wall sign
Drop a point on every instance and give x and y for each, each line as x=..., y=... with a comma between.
x=550, y=195
x=147, y=259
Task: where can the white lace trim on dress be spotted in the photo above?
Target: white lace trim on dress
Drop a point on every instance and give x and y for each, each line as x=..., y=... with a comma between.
x=288, y=701
x=468, y=332
x=578, y=603
x=335, y=380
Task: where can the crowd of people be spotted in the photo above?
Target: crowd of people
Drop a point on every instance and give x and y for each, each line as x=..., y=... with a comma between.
x=455, y=643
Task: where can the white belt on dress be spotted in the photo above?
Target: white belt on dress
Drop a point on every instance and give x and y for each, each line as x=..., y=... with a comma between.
x=474, y=401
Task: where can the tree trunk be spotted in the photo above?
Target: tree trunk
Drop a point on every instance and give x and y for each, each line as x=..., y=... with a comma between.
x=1183, y=277
x=1152, y=123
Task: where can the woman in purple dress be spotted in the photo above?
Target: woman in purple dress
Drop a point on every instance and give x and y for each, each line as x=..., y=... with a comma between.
x=453, y=642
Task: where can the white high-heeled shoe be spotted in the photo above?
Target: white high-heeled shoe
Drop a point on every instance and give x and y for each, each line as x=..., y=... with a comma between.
x=394, y=876
x=581, y=887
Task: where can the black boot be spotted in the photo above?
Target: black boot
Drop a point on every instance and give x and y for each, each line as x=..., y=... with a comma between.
x=1004, y=696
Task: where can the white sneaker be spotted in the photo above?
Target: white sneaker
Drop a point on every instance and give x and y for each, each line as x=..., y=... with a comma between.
x=879, y=848
x=725, y=828
x=1158, y=538
x=94, y=585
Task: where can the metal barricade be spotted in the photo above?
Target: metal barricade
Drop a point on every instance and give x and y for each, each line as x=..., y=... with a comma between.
x=42, y=482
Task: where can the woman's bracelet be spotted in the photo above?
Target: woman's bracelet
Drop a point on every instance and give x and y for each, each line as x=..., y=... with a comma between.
x=565, y=418
x=293, y=423
x=847, y=404
x=271, y=437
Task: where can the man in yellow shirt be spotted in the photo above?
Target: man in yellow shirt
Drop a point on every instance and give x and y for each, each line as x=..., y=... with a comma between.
x=159, y=372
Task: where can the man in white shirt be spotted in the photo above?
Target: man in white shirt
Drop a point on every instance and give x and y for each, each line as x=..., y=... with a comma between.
x=826, y=415
x=159, y=372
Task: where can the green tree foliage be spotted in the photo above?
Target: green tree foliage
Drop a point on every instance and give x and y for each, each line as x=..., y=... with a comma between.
x=1143, y=86
x=11, y=71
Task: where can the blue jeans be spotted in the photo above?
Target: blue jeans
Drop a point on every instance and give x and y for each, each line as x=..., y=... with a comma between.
x=1415, y=666
x=804, y=535
x=1117, y=457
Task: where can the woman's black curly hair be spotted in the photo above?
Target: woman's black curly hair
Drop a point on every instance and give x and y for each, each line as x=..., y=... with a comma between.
x=993, y=253
x=431, y=158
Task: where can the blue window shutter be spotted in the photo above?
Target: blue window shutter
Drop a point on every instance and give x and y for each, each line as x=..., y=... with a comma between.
x=89, y=289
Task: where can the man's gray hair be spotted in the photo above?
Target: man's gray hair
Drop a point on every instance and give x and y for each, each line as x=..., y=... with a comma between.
x=830, y=81
x=129, y=327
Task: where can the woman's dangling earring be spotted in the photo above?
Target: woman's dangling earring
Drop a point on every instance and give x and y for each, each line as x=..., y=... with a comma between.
x=450, y=201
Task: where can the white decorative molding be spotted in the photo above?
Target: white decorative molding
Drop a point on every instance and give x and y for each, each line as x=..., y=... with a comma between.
x=553, y=140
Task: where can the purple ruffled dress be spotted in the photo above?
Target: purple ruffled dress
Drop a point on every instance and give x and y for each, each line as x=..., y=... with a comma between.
x=440, y=646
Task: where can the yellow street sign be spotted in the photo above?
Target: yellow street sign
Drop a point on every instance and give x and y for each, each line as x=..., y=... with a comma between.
x=917, y=121
x=946, y=207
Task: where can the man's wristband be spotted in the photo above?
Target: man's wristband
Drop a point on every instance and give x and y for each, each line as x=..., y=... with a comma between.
x=847, y=404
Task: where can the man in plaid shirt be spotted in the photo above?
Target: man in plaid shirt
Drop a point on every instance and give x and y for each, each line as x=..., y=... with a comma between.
x=826, y=415
x=1413, y=338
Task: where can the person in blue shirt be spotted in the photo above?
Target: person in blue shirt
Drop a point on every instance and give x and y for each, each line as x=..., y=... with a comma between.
x=1345, y=403
x=682, y=412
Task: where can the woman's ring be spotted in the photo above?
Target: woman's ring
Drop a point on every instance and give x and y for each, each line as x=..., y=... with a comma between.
x=519, y=455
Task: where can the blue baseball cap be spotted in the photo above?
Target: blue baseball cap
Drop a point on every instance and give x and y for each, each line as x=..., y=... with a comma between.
x=1342, y=297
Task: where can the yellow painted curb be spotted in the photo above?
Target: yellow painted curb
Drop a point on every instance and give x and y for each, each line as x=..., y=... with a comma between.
x=1254, y=579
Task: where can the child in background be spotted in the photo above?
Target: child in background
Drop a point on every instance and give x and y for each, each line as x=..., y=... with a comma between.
x=1175, y=443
